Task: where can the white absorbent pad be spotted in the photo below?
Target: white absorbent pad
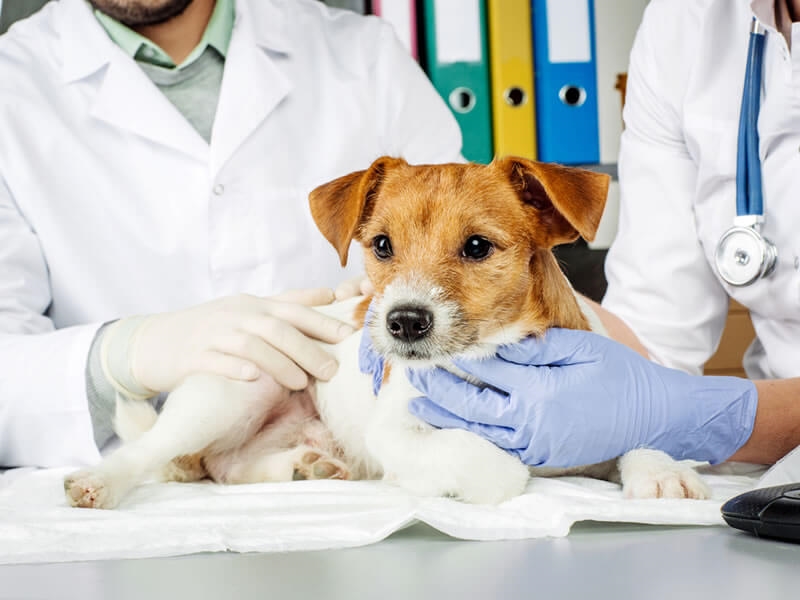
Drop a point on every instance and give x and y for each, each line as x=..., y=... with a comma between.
x=167, y=519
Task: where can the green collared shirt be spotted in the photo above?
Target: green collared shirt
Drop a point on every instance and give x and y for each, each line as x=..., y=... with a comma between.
x=217, y=35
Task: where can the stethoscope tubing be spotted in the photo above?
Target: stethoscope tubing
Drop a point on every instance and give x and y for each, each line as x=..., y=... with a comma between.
x=749, y=198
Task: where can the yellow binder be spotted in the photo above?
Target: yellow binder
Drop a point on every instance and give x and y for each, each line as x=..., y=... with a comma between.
x=511, y=74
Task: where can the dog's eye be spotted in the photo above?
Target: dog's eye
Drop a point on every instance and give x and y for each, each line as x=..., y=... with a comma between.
x=477, y=248
x=381, y=247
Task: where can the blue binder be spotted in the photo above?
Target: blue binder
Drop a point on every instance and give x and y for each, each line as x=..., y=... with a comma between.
x=565, y=76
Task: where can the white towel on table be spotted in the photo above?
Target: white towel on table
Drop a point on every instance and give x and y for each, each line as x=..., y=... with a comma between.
x=167, y=519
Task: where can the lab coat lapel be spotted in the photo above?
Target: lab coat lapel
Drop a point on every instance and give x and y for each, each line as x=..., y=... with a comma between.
x=123, y=96
x=129, y=100
x=253, y=85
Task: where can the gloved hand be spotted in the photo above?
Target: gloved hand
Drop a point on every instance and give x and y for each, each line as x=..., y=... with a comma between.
x=576, y=398
x=238, y=337
x=369, y=361
x=357, y=286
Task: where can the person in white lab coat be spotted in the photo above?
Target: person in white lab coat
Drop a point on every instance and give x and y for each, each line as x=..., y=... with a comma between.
x=155, y=159
x=665, y=297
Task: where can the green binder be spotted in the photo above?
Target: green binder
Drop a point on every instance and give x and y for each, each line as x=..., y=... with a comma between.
x=457, y=63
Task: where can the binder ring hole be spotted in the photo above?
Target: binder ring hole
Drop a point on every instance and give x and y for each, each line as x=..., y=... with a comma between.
x=572, y=95
x=515, y=96
x=462, y=100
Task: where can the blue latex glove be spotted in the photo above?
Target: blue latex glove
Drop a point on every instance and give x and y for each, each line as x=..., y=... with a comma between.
x=594, y=400
x=370, y=361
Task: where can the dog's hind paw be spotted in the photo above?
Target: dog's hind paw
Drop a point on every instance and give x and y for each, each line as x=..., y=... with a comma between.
x=317, y=465
x=86, y=489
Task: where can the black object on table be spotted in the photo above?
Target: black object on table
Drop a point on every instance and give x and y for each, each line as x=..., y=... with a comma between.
x=770, y=512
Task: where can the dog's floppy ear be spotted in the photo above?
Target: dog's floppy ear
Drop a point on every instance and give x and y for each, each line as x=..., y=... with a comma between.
x=569, y=201
x=341, y=205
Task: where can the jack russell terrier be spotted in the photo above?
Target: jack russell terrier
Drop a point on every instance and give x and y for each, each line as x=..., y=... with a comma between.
x=460, y=259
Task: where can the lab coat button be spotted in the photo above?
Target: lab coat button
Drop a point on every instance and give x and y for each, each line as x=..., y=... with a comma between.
x=219, y=189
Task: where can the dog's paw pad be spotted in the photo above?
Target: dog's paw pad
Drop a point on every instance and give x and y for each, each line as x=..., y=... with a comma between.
x=85, y=489
x=315, y=465
x=309, y=458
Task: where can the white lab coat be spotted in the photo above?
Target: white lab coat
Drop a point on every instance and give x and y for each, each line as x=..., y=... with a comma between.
x=677, y=171
x=111, y=204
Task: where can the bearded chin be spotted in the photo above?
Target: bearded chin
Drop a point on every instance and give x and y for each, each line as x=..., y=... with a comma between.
x=139, y=13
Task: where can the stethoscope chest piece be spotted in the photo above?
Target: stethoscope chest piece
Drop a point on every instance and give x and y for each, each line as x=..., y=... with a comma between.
x=744, y=255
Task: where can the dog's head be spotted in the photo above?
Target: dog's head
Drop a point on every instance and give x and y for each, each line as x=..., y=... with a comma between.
x=460, y=254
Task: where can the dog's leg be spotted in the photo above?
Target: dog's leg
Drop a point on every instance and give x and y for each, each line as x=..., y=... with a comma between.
x=654, y=474
x=200, y=411
x=439, y=462
x=346, y=405
x=185, y=468
x=642, y=473
x=300, y=462
x=292, y=443
x=449, y=462
x=607, y=471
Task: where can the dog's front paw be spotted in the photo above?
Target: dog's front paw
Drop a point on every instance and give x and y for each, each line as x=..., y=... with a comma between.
x=87, y=489
x=654, y=474
x=461, y=465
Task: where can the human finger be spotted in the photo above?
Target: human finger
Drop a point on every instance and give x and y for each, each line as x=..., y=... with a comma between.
x=307, y=297
x=461, y=398
x=227, y=365
x=556, y=347
x=430, y=412
x=493, y=371
x=267, y=357
x=350, y=287
x=311, y=322
x=295, y=346
x=366, y=287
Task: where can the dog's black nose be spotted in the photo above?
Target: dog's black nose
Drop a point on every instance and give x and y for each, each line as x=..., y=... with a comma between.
x=409, y=324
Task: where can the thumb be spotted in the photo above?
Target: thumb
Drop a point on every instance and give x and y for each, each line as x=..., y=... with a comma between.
x=228, y=366
x=348, y=288
x=556, y=347
x=309, y=297
x=423, y=408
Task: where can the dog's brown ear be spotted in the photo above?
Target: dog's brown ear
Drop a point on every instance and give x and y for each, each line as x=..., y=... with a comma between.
x=569, y=201
x=341, y=205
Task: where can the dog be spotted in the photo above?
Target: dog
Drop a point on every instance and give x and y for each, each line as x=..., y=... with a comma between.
x=460, y=257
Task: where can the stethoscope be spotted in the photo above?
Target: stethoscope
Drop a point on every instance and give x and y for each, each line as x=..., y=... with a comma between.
x=743, y=254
